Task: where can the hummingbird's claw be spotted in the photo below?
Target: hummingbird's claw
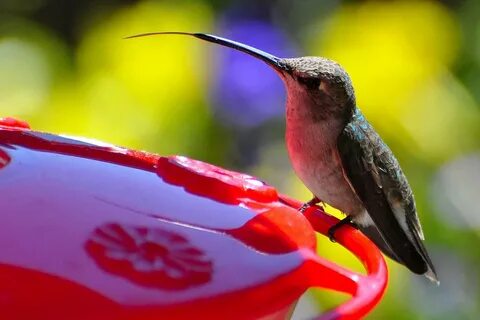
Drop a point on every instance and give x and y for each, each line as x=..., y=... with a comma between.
x=304, y=207
x=331, y=235
x=347, y=220
x=310, y=203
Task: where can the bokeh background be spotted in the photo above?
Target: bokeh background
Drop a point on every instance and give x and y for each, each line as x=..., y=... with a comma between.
x=415, y=66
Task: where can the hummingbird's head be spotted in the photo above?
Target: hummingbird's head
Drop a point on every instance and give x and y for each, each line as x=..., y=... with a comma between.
x=321, y=84
x=318, y=86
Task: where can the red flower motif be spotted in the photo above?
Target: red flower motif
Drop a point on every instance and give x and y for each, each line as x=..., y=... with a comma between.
x=149, y=256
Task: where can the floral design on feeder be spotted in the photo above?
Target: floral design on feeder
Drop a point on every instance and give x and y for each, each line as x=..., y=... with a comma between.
x=149, y=256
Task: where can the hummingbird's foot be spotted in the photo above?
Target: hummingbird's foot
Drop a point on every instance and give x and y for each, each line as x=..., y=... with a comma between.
x=310, y=203
x=345, y=221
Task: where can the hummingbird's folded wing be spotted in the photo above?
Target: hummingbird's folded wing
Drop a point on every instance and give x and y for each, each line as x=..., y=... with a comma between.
x=377, y=179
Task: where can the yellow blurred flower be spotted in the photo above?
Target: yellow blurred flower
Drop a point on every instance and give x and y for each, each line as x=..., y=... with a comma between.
x=146, y=92
x=25, y=77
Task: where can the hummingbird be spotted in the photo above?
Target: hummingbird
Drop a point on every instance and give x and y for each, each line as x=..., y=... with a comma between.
x=340, y=157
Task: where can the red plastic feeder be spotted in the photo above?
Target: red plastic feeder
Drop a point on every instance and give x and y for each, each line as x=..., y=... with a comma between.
x=99, y=232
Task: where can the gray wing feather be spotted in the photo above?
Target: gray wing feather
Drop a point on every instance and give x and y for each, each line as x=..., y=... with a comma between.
x=377, y=179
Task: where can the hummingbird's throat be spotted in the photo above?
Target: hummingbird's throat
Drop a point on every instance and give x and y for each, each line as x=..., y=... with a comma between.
x=317, y=105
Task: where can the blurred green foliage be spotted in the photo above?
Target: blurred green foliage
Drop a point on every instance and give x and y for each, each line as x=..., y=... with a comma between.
x=415, y=66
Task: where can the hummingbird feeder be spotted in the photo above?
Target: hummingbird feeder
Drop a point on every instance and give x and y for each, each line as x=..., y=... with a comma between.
x=94, y=231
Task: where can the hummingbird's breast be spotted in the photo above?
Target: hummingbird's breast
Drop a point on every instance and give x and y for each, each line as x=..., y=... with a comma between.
x=312, y=148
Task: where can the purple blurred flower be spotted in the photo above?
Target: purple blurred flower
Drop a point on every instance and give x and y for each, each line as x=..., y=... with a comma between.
x=246, y=91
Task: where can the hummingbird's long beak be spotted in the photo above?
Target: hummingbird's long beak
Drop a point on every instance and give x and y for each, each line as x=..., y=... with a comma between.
x=276, y=63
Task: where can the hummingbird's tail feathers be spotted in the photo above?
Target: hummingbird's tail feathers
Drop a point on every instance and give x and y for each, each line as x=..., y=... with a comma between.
x=411, y=254
x=387, y=233
x=431, y=274
x=404, y=246
x=375, y=236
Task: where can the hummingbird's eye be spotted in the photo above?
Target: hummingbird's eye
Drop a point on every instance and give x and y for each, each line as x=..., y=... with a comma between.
x=309, y=82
